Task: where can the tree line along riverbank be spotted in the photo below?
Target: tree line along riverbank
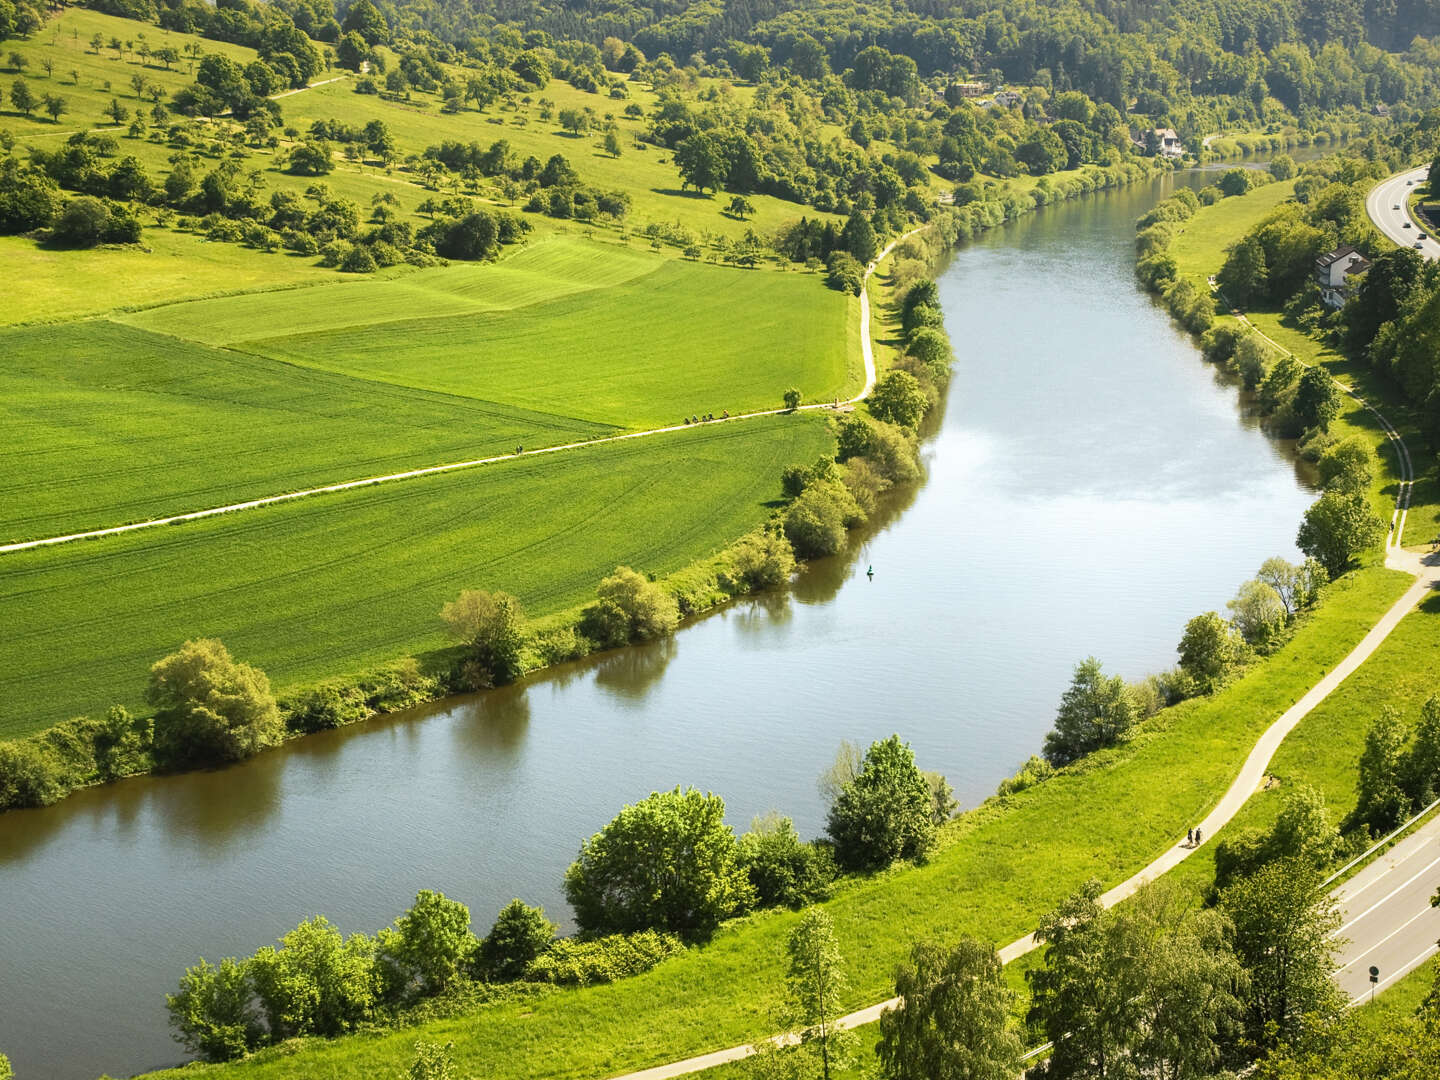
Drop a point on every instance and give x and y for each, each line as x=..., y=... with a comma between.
x=869, y=451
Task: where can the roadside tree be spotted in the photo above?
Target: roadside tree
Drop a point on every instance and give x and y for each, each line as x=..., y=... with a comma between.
x=953, y=1020
x=1284, y=921
x=1381, y=802
x=814, y=987
x=1336, y=528
x=899, y=399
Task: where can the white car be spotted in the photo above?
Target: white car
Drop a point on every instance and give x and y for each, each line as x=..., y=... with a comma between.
x=1395, y=207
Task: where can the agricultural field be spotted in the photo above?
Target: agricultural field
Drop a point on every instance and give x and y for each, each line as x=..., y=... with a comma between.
x=333, y=583
x=178, y=407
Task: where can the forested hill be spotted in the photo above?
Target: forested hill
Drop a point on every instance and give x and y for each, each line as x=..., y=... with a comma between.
x=1308, y=54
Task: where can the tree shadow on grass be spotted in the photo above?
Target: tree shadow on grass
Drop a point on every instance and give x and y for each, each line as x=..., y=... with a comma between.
x=678, y=193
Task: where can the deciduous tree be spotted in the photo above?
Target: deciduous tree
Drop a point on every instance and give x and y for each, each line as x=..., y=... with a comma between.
x=668, y=862
x=953, y=1019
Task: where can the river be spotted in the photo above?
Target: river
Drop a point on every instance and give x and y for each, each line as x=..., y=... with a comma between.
x=1092, y=484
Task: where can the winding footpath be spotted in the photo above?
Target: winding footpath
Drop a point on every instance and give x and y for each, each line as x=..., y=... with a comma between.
x=1424, y=847
x=867, y=352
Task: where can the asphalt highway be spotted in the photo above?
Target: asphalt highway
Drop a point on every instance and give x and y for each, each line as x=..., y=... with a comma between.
x=1387, y=209
x=1388, y=920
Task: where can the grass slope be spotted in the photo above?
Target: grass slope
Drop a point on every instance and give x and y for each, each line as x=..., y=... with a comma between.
x=641, y=354
x=336, y=583
x=1006, y=864
x=109, y=424
x=112, y=422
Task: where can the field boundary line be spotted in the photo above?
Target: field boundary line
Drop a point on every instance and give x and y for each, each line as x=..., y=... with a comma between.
x=867, y=353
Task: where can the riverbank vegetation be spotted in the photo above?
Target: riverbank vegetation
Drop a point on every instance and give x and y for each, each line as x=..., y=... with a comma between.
x=996, y=869
x=666, y=871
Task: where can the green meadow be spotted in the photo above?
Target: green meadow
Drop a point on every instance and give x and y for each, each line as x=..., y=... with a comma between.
x=335, y=583
x=1002, y=866
x=113, y=422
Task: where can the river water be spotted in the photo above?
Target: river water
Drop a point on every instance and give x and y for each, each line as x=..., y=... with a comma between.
x=1092, y=484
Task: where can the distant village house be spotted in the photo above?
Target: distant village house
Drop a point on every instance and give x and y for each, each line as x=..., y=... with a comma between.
x=1333, y=271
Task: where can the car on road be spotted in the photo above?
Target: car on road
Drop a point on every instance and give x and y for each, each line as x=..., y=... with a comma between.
x=1422, y=236
x=1417, y=244
x=1395, y=207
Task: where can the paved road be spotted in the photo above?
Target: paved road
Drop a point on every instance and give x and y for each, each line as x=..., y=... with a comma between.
x=1387, y=209
x=866, y=350
x=1388, y=918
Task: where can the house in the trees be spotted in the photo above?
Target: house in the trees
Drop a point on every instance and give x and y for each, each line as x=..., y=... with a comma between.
x=1333, y=271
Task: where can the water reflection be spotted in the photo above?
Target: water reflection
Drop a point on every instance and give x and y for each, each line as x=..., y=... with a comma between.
x=495, y=723
x=630, y=674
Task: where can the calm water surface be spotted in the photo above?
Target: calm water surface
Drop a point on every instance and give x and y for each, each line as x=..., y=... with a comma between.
x=1091, y=486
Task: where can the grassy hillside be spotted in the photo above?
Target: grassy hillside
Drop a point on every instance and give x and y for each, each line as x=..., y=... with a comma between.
x=1005, y=864
x=565, y=341
x=640, y=354
x=331, y=584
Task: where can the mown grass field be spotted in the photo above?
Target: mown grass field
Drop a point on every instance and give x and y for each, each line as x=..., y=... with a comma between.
x=335, y=583
x=116, y=422
x=1003, y=867
x=586, y=355
x=1200, y=247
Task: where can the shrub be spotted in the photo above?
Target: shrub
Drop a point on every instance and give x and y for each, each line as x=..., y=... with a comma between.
x=209, y=708
x=432, y=941
x=316, y=982
x=844, y=272
x=492, y=627
x=1095, y=711
x=899, y=399
x=815, y=523
x=213, y=1012
x=629, y=608
x=668, y=862
x=358, y=260
x=884, y=813
x=330, y=705
x=758, y=562
x=782, y=868
x=1036, y=770
x=569, y=962
x=28, y=777
x=1210, y=652
x=520, y=935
